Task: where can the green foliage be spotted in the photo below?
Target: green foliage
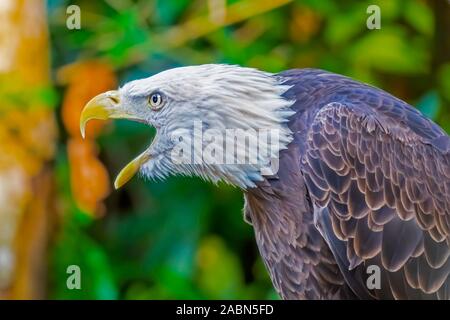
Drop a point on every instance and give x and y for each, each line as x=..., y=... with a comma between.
x=184, y=238
x=429, y=104
x=74, y=246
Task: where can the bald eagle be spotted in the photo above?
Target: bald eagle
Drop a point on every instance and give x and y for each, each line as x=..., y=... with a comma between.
x=354, y=183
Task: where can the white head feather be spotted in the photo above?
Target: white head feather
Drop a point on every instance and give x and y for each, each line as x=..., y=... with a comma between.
x=221, y=97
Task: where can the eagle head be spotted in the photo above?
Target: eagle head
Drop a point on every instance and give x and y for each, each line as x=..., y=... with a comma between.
x=219, y=122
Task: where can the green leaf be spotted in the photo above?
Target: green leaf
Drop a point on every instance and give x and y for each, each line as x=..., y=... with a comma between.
x=220, y=274
x=326, y=7
x=342, y=28
x=168, y=11
x=419, y=16
x=390, y=50
x=75, y=248
x=429, y=104
x=444, y=81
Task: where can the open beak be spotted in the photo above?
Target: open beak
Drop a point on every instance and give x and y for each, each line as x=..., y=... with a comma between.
x=108, y=106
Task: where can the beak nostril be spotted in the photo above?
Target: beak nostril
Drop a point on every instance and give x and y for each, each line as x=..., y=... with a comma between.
x=114, y=99
x=103, y=106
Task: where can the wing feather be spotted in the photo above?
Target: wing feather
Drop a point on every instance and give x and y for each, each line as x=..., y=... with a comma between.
x=384, y=176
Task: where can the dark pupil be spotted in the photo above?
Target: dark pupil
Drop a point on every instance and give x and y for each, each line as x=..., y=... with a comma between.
x=155, y=98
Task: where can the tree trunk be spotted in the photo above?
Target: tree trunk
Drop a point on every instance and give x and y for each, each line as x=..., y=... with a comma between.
x=27, y=141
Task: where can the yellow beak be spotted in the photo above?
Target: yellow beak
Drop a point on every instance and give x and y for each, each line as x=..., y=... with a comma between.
x=104, y=106
x=108, y=106
x=130, y=170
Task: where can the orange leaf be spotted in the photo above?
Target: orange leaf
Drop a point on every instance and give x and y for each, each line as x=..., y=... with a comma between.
x=85, y=80
x=89, y=178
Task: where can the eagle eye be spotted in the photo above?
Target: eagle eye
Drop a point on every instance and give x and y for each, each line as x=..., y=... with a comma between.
x=156, y=100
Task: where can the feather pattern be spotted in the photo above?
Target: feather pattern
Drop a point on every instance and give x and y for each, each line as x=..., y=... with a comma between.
x=366, y=181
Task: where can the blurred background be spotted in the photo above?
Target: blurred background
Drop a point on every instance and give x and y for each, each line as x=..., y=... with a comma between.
x=181, y=238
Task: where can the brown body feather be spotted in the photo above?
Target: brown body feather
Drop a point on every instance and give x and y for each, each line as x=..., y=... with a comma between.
x=366, y=181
